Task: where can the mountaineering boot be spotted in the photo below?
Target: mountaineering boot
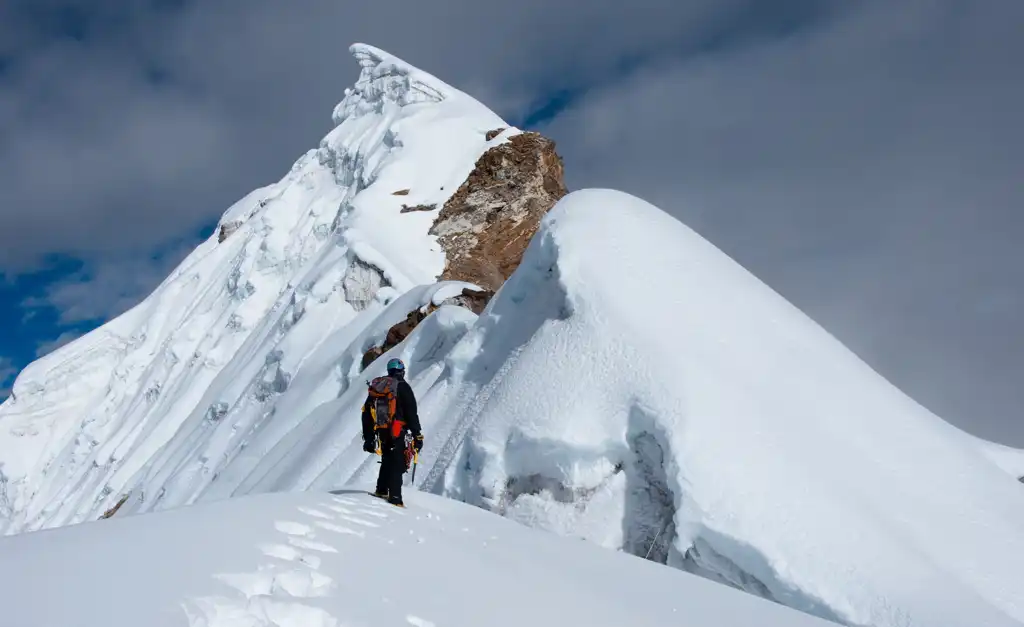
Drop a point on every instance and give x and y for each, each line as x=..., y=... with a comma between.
x=396, y=502
x=380, y=495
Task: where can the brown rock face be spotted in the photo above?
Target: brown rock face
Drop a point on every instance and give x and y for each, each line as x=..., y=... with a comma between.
x=485, y=226
x=408, y=209
x=396, y=334
x=113, y=510
x=473, y=300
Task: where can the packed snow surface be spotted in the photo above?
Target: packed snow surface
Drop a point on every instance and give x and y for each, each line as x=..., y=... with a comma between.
x=322, y=560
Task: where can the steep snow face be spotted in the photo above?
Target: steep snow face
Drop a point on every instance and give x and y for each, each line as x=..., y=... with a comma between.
x=632, y=385
x=291, y=265
x=322, y=560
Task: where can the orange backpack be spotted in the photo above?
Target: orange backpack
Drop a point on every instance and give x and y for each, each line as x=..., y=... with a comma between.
x=383, y=392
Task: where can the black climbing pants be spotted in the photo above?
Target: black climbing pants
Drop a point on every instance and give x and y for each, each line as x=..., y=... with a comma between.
x=392, y=467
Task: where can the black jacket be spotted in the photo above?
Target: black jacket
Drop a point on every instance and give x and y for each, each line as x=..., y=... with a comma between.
x=405, y=411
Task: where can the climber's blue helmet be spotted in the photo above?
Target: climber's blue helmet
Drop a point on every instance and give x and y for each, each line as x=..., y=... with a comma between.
x=395, y=366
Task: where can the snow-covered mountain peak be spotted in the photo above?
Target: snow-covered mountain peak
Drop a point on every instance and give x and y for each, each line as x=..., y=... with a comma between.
x=401, y=138
x=338, y=238
x=385, y=77
x=629, y=383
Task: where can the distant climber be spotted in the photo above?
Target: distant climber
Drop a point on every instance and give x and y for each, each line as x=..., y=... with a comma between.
x=390, y=426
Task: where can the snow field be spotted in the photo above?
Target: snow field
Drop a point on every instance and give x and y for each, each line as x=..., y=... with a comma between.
x=631, y=380
x=323, y=560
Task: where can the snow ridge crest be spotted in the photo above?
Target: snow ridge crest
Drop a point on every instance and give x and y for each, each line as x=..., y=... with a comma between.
x=386, y=78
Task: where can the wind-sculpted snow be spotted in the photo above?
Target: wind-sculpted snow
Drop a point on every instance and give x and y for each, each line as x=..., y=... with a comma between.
x=332, y=560
x=632, y=385
x=311, y=438
x=157, y=403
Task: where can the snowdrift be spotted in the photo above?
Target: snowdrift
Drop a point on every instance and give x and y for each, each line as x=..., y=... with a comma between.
x=632, y=385
x=315, y=560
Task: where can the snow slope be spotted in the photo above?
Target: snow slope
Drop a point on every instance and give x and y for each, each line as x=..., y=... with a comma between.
x=1009, y=459
x=320, y=560
x=632, y=382
x=720, y=431
x=312, y=258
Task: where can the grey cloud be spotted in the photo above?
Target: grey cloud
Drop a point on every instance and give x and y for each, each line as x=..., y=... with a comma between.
x=868, y=169
x=861, y=158
x=157, y=119
x=105, y=164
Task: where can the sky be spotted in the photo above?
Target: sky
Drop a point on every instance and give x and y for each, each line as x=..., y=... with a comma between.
x=866, y=160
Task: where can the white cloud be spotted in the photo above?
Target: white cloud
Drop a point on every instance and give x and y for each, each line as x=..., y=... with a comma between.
x=49, y=346
x=105, y=289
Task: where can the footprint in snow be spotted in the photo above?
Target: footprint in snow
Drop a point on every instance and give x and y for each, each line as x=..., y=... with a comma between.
x=296, y=583
x=312, y=545
x=293, y=528
x=358, y=521
x=315, y=513
x=270, y=597
x=338, y=529
x=264, y=611
x=290, y=554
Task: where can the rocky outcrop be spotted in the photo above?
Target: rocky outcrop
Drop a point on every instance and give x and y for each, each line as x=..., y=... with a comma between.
x=408, y=209
x=473, y=300
x=227, y=229
x=485, y=226
x=113, y=510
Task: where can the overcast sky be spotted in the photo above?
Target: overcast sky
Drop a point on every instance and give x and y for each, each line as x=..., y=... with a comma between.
x=865, y=159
